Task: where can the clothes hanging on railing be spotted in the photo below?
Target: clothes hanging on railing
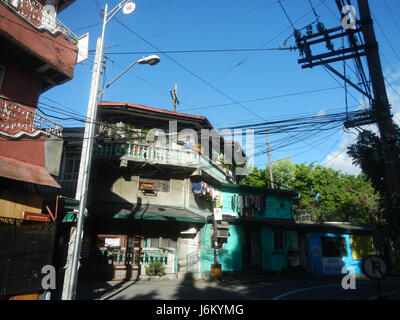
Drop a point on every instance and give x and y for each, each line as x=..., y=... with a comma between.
x=248, y=205
x=207, y=192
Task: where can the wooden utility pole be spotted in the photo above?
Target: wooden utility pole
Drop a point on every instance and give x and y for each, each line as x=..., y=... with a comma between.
x=271, y=178
x=381, y=107
x=174, y=97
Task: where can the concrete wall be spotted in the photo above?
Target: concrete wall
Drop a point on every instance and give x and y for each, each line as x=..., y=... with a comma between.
x=111, y=186
x=275, y=207
x=272, y=260
x=230, y=257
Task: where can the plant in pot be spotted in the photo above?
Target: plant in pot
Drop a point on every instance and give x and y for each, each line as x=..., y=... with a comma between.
x=155, y=268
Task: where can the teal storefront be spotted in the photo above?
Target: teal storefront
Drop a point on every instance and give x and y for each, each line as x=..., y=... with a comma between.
x=256, y=241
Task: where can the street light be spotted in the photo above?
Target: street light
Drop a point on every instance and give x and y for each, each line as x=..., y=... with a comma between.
x=150, y=60
x=71, y=273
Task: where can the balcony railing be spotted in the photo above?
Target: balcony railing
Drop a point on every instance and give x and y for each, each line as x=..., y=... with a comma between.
x=15, y=118
x=157, y=155
x=133, y=257
x=32, y=12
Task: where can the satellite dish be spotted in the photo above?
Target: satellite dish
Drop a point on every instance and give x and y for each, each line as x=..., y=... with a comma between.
x=129, y=8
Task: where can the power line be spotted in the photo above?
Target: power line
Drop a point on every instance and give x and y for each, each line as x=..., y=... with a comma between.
x=191, y=72
x=391, y=14
x=252, y=53
x=200, y=51
x=387, y=40
x=199, y=24
x=264, y=98
x=284, y=11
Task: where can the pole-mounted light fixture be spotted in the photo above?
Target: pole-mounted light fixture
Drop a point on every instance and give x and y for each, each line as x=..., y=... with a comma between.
x=71, y=273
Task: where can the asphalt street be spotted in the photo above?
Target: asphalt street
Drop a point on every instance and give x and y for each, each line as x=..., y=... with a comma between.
x=276, y=289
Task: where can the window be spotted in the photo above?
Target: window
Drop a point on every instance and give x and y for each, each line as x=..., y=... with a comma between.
x=70, y=166
x=2, y=74
x=333, y=247
x=110, y=249
x=158, y=184
x=279, y=242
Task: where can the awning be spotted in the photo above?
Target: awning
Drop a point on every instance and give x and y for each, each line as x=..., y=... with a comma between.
x=23, y=171
x=144, y=212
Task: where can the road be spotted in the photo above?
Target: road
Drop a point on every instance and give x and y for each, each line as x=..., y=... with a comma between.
x=293, y=289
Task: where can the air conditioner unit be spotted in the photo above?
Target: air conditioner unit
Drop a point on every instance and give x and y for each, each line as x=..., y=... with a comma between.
x=222, y=230
x=144, y=186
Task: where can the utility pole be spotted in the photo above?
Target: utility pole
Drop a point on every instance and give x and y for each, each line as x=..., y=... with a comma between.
x=271, y=178
x=71, y=270
x=72, y=264
x=381, y=107
x=174, y=97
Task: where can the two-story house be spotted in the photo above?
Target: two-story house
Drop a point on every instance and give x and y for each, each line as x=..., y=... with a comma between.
x=37, y=52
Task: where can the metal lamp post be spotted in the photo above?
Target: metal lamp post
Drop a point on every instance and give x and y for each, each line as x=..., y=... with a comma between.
x=71, y=274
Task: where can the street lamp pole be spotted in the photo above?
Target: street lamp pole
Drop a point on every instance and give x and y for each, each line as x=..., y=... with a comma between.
x=71, y=272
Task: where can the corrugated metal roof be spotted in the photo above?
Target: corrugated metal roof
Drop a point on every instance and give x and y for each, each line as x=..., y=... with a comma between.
x=23, y=171
x=143, y=212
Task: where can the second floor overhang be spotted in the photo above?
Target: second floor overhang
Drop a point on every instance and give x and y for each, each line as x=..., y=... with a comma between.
x=49, y=51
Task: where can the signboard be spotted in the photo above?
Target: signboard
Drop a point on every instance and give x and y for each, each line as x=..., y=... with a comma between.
x=332, y=265
x=129, y=8
x=217, y=214
x=112, y=242
x=374, y=267
x=292, y=239
x=83, y=48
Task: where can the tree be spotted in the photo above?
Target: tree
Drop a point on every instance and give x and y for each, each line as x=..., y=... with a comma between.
x=255, y=179
x=366, y=153
x=326, y=194
x=329, y=195
x=283, y=172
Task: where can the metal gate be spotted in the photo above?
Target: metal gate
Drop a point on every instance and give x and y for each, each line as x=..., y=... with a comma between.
x=25, y=248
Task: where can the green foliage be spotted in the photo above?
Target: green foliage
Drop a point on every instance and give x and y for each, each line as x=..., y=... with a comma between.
x=326, y=194
x=366, y=153
x=283, y=173
x=255, y=179
x=329, y=195
x=155, y=268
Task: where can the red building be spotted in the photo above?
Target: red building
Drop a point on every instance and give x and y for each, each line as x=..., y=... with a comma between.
x=37, y=52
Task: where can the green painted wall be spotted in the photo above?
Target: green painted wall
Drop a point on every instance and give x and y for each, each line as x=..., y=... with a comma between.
x=230, y=257
x=227, y=201
x=275, y=207
x=271, y=259
x=278, y=208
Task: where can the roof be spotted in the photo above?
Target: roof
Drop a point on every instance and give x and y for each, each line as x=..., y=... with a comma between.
x=146, y=109
x=23, y=171
x=151, y=110
x=113, y=210
x=257, y=190
x=308, y=227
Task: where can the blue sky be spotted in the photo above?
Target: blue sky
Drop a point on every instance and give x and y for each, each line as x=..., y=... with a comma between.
x=219, y=85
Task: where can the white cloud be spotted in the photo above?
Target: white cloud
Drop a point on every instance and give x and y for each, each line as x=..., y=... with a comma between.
x=339, y=160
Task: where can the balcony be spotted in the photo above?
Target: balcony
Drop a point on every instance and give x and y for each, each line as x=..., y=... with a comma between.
x=32, y=12
x=38, y=42
x=162, y=156
x=17, y=120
